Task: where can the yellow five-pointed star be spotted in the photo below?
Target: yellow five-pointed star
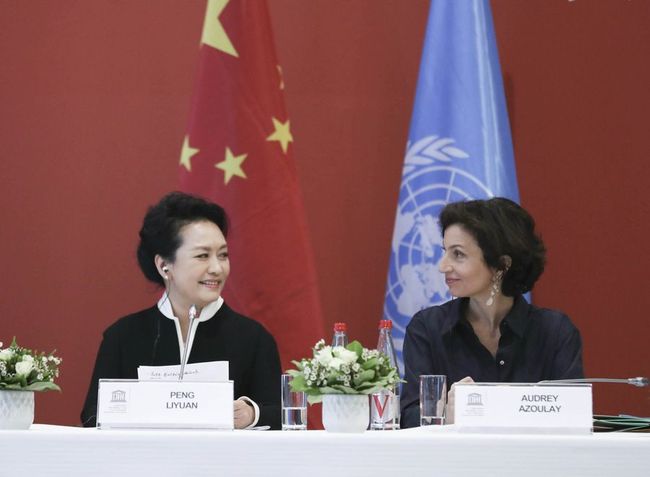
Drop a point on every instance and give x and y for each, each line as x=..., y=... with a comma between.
x=213, y=33
x=231, y=166
x=282, y=134
x=186, y=154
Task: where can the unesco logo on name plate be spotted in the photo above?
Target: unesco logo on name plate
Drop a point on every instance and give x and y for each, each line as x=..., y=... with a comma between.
x=118, y=396
x=119, y=402
x=434, y=174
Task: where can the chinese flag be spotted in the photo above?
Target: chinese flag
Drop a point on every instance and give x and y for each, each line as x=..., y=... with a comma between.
x=237, y=152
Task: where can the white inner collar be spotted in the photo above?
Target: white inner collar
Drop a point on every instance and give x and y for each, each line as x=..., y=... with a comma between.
x=208, y=311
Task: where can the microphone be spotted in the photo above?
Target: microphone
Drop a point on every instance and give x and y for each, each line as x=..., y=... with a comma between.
x=639, y=382
x=154, y=348
x=192, y=315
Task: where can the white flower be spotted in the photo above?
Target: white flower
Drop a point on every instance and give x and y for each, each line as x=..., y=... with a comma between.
x=346, y=355
x=28, y=357
x=6, y=354
x=24, y=367
x=336, y=363
x=324, y=356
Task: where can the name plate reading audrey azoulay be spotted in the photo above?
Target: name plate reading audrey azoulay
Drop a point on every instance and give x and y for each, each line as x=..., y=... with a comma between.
x=129, y=403
x=523, y=407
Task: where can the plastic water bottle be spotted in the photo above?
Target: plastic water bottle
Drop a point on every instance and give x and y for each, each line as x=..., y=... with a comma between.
x=384, y=405
x=340, y=337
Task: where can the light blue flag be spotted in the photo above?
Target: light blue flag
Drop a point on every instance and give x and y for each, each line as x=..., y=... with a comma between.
x=459, y=148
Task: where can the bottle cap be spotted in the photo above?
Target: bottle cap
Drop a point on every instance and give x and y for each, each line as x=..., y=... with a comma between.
x=340, y=327
x=385, y=324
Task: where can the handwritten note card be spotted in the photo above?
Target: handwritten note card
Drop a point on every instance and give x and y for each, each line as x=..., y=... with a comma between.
x=213, y=371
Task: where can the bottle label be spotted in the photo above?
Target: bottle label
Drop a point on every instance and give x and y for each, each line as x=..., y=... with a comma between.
x=384, y=410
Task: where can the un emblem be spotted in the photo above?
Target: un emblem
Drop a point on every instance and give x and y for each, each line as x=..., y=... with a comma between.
x=435, y=173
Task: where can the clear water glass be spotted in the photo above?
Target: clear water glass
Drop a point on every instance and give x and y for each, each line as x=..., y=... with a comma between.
x=294, y=407
x=433, y=399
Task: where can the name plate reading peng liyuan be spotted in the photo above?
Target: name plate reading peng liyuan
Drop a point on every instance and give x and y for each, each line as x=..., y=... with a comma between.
x=129, y=403
x=523, y=407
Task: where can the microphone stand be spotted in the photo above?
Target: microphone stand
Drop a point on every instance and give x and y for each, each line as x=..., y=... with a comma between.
x=639, y=382
x=192, y=316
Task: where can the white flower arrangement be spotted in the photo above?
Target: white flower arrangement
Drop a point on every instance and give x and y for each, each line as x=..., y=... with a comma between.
x=342, y=370
x=22, y=369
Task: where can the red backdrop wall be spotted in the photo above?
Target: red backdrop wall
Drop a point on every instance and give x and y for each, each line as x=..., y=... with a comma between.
x=94, y=98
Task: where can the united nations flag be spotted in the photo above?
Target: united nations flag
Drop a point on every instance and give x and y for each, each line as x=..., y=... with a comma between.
x=459, y=148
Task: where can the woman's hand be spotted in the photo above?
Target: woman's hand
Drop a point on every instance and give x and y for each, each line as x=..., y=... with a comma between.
x=449, y=415
x=244, y=414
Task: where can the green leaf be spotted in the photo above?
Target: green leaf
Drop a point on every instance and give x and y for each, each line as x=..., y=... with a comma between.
x=369, y=384
x=298, y=382
x=371, y=363
x=356, y=347
x=344, y=389
x=42, y=386
x=12, y=380
x=329, y=390
x=314, y=399
x=372, y=389
x=312, y=391
x=333, y=376
x=366, y=375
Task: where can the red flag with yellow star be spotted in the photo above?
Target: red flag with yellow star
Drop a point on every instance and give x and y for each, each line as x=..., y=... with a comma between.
x=237, y=152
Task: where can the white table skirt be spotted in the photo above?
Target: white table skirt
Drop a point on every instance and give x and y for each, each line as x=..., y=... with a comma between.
x=70, y=451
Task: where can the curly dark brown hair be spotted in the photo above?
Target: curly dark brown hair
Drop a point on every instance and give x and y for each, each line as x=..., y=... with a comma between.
x=501, y=228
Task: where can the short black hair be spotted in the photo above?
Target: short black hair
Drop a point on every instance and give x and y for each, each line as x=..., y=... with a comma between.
x=501, y=227
x=160, y=232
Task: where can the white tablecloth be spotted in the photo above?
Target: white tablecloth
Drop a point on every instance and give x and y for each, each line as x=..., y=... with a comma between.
x=69, y=451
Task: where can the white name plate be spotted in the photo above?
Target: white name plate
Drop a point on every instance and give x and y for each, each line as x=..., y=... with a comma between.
x=521, y=407
x=129, y=403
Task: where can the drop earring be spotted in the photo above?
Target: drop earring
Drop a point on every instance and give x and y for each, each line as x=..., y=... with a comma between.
x=494, y=291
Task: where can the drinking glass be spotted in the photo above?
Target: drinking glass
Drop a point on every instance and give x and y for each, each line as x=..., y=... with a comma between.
x=433, y=398
x=294, y=407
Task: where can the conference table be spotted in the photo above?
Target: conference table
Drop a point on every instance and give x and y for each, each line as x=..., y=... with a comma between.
x=435, y=450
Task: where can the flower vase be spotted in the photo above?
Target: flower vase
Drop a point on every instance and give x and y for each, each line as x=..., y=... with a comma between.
x=16, y=409
x=345, y=412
